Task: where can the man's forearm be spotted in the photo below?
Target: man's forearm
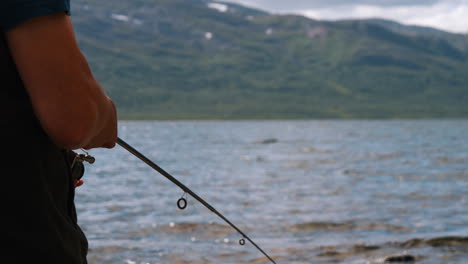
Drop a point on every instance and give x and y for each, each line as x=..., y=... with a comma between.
x=71, y=106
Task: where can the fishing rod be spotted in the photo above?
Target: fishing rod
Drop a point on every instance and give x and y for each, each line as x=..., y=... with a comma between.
x=182, y=202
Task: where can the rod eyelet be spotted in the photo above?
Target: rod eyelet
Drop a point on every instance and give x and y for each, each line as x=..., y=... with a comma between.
x=182, y=203
x=242, y=242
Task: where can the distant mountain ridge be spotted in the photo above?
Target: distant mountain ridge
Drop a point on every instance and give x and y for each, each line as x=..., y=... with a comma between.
x=189, y=59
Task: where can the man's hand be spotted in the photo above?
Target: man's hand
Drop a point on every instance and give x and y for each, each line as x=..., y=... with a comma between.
x=69, y=103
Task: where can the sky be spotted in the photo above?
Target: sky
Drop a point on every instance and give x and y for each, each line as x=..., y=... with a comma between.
x=448, y=15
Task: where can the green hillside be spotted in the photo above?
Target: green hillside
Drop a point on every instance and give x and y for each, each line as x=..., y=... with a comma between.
x=194, y=59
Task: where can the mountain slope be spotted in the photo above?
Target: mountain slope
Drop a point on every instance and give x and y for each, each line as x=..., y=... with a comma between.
x=201, y=59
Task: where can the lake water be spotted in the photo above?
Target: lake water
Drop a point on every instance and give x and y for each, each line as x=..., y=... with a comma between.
x=305, y=191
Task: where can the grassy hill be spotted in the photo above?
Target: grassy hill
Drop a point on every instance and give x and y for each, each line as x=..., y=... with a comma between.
x=169, y=59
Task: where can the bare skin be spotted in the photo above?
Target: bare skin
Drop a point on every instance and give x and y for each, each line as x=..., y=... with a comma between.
x=71, y=106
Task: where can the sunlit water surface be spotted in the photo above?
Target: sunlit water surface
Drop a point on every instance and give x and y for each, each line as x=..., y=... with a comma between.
x=305, y=191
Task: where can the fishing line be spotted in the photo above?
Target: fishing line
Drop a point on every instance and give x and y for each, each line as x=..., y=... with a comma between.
x=182, y=202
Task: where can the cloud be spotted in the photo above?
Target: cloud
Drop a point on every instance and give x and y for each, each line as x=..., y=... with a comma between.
x=449, y=15
x=446, y=16
x=283, y=5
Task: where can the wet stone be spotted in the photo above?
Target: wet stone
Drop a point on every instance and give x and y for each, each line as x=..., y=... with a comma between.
x=364, y=248
x=448, y=241
x=400, y=259
x=269, y=141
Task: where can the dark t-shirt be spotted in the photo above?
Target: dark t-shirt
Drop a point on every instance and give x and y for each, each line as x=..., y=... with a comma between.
x=38, y=219
x=14, y=12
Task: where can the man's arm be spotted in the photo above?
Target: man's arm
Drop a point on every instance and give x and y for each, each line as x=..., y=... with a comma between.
x=69, y=103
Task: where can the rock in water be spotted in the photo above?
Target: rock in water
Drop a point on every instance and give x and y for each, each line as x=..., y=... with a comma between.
x=269, y=141
x=400, y=259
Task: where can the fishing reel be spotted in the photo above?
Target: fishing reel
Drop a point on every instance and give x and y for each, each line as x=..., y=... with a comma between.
x=77, y=160
x=83, y=158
